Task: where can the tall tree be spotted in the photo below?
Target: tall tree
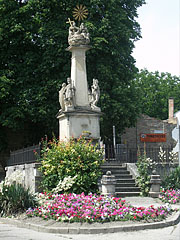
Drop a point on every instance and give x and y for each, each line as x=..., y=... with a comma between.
x=34, y=63
x=154, y=90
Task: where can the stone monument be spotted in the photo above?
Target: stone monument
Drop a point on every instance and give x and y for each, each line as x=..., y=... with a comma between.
x=79, y=112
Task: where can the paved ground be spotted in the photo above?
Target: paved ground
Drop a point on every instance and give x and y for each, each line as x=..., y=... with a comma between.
x=10, y=232
x=148, y=201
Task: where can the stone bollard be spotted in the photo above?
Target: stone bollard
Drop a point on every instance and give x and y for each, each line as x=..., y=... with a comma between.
x=155, y=185
x=108, y=184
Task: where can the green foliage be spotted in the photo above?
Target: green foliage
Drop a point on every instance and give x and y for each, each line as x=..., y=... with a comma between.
x=144, y=166
x=79, y=159
x=34, y=62
x=173, y=180
x=154, y=91
x=15, y=199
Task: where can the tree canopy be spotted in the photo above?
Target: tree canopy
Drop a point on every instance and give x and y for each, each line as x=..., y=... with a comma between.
x=154, y=90
x=34, y=62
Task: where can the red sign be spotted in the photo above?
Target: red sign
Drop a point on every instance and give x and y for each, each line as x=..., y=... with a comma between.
x=153, y=137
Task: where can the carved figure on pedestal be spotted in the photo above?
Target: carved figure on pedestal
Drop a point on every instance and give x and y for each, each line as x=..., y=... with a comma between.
x=79, y=112
x=73, y=30
x=78, y=35
x=84, y=33
x=95, y=95
x=69, y=94
x=61, y=96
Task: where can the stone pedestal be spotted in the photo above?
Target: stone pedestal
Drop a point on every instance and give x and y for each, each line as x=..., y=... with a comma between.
x=155, y=186
x=108, y=184
x=74, y=123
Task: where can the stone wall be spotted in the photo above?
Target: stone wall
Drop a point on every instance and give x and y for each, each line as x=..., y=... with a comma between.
x=18, y=140
x=163, y=171
x=148, y=125
x=32, y=176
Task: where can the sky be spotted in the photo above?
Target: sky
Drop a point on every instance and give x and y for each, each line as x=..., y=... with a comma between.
x=159, y=47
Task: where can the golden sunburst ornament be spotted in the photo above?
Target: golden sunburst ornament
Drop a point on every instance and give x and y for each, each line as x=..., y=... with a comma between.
x=80, y=12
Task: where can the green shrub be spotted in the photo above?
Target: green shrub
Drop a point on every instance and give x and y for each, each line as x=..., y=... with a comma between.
x=173, y=180
x=15, y=199
x=75, y=158
x=144, y=165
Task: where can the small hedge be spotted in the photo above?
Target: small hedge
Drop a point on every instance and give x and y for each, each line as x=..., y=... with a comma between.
x=75, y=158
x=173, y=180
x=15, y=199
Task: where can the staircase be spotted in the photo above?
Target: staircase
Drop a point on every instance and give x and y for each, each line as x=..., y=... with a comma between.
x=125, y=184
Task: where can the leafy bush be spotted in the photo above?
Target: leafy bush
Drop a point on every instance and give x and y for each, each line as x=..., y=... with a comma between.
x=144, y=166
x=80, y=158
x=173, y=180
x=15, y=199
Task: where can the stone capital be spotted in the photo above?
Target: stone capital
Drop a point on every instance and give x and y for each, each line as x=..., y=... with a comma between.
x=79, y=47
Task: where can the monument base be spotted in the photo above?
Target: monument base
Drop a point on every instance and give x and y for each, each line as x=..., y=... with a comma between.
x=78, y=122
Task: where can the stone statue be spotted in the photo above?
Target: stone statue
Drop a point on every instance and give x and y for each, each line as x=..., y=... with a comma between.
x=78, y=35
x=61, y=96
x=73, y=30
x=95, y=94
x=84, y=33
x=69, y=94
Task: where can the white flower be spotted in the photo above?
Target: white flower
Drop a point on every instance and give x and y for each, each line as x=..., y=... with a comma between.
x=162, y=155
x=173, y=157
x=1, y=185
x=65, y=184
x=15, y=177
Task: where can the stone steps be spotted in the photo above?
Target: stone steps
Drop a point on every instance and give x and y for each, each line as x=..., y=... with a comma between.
x=125, y=180
x=127, y=194
x=122, y=176
x=127, y=189
x=125, y=184
x=118, y=171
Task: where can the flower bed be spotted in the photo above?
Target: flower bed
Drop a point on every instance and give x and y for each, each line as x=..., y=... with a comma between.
x=170, y=196
x=93, y=208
